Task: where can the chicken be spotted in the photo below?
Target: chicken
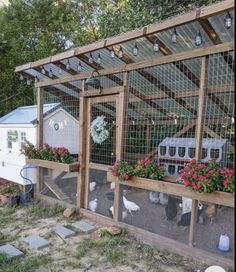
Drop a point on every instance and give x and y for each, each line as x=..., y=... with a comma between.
x=171, y=209
x=93, y=204
x=154, y=197
x=130, y=206
x=211, y=211
x=112, y=186
x=124, y=214
x=186, y=217
x=112, y=210
x=92, y=186
x=163, y=199
x=111, y=213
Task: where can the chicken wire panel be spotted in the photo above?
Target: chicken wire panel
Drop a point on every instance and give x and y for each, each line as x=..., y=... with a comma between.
x=59, y=185
x=100, y=196
x=219, y=115
x=155, y=212
x=103, y=149
x=216, y=233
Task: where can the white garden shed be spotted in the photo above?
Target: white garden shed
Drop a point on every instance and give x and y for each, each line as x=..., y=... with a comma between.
x=21, y=124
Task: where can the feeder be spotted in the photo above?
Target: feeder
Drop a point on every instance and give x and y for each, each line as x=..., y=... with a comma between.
x=94, y=82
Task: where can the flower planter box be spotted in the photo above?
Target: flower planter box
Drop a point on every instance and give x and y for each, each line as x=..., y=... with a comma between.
x=64, y=167
x=217, y=197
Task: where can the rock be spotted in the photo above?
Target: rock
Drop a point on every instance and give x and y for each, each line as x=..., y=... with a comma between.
x=114, y=230
x=68, y=212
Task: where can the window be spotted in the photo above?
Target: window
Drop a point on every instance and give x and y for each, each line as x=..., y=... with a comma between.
x=22, y=139
x=9, y=142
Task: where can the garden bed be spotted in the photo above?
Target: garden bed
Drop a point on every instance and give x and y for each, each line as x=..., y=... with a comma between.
x=64, y=167
x=217, y=197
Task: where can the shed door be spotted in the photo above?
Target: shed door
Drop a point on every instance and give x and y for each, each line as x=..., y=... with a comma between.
x=101, y=149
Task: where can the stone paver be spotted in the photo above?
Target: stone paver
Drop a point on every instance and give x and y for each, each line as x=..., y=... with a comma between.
x=36, y=242
x=84, y=226
x=63, y=232
x=11, y=251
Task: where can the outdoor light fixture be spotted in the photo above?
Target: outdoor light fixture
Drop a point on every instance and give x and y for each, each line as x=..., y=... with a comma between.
x=135, y=50
x=156, y=46
x=120, y=52
x=112, y=53
x=198, y=39
x=90, y=58
x=43, y=70
x=50, y=72
x=68, y=65
x=94, y=82
x=174, y=36
x=79, y=67
x=21, y=77
x=228, y=20
x=28, y=82
x=99, y=60
x=59, y=70
x=153, y=122
x=36, y=79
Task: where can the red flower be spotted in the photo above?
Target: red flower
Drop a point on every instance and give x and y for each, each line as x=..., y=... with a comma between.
x=199, y=185
x=201, y=178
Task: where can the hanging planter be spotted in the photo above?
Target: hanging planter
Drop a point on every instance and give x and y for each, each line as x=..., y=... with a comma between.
x=13, y=136
x=98, y=130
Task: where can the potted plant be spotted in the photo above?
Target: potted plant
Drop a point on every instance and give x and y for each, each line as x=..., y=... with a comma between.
x=207, y=177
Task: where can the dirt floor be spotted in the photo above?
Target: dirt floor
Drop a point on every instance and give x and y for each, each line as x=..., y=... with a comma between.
x=97, y=251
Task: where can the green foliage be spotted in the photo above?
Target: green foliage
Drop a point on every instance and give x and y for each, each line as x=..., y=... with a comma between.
x=43, y=211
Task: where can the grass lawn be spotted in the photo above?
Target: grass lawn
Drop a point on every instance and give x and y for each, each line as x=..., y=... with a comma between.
x=98, y=251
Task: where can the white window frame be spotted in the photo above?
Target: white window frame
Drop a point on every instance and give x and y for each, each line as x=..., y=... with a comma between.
x=22, y=139
x=9, y=142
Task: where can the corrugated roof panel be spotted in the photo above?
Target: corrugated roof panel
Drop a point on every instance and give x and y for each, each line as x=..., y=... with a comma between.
x=26, y=115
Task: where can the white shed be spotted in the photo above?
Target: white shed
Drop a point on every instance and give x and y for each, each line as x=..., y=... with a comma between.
x=60, y=129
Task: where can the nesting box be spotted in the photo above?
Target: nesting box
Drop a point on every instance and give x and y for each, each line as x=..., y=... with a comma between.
x=173, y=153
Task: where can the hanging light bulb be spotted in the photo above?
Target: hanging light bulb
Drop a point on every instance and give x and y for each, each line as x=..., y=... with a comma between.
x=198, y=39
x=21, y=77
x=90, y=58
x=174, y=36
x=176, y=121
x=135, y=50
x=59, y=70
x=133, y=122
x=99, y=60
x=232, y=120
x=156, y=46
x=112, y=53
x=28, y=82
x=50, y=72
x=68, y=65
x=120, y=52
x=153, y=122
x=79, y=67
x=36, y=79
x=228, y=20
x=43, y=70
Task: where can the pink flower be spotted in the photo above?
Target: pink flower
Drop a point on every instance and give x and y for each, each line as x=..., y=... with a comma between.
x=126, y=176
x=192, y=161
x=186, y=183
x=226, y=181
x=199, y=185
x=194, y=176
x=200, y=166
x=201, y=178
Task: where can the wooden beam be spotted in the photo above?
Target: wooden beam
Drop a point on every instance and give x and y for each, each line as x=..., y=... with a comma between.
x=196, y=53
x=184, y=130
x=199, y=136
x=194, y=15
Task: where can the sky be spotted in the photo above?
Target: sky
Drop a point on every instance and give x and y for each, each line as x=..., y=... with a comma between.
x=2, y=2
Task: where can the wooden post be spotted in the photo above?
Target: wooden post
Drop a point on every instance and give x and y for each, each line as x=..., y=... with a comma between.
x=199, y=135
x=120, y=128
x=82, y=150
x=39, y=134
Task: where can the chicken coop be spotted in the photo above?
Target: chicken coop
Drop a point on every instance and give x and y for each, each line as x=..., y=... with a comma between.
x=165, y=91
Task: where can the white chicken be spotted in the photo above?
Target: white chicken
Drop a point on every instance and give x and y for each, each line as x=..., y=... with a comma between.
x=112, y=210
x=163, y=199
x=154, y=197
x=124, y=213
x=93, y=204
x=130, y=206
x=112, y=186
x=92, y=186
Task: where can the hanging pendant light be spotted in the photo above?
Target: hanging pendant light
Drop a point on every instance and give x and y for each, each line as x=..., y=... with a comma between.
x=198, y=39
x=28, y=82
x=228, y=20
x=112, y=53
x=50, y=73
x=135, y=50
x=120, y=52
x=68, y=65
x=156, y=46
x=21, y=77
x=99, y=59
x=90, y=58
x=59, y=70
x=174, y=36
x=43, y=70
x=79, y=67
